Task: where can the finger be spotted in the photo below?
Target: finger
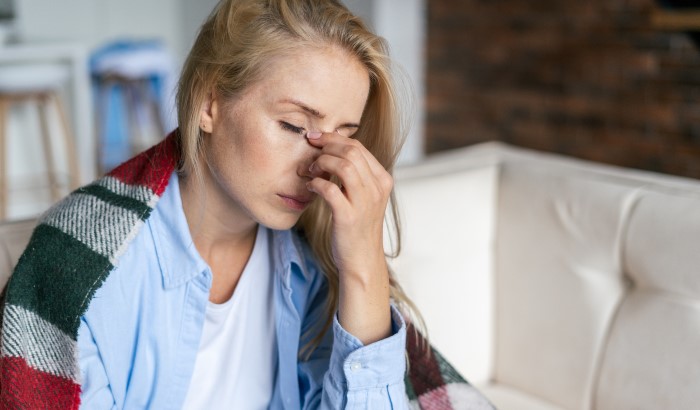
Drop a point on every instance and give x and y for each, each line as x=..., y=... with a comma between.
x=331, y=193
x=325, y=140
x=364, y=161
x=351, y=152
x=344, y=169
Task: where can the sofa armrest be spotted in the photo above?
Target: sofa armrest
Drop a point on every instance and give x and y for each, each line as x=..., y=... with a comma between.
x=446, y=261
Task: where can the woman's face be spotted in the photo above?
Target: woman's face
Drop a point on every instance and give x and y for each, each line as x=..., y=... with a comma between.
x=256, y=148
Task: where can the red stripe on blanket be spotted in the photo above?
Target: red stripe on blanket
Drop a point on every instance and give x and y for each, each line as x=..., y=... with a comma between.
x=22, y=387
x=151, y=168
x=438, y=399
x=424, y=372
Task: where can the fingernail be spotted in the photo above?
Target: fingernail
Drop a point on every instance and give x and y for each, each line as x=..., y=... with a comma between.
x=313, y=135
x=311, y=167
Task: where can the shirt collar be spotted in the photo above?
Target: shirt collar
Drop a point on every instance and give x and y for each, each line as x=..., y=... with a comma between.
x=178, y=257
x=288, y=252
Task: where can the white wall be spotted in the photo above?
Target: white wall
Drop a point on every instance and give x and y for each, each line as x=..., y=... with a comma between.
x=362, y=8
x=402, y=23
x=94, y=22
x=193, y=14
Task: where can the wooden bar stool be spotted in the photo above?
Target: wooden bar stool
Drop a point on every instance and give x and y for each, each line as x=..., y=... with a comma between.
x=140, y=102
x=129, y=78
x=37, y=84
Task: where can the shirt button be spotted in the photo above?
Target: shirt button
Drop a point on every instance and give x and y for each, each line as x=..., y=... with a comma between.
x=355, y=366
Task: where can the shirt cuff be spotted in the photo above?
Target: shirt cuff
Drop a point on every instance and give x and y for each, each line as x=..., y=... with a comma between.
x=378, y=364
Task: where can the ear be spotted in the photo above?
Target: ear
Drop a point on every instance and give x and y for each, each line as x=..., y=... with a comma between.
x=208, y=114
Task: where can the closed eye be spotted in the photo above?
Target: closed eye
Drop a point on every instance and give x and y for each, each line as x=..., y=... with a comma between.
x=347, y=132
x=291, y=128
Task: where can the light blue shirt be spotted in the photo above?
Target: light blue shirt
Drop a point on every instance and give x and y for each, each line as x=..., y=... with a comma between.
x=139, y=338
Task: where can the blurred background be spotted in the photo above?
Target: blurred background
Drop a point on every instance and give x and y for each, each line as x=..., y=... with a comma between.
x=85, y=83
x=616, y=81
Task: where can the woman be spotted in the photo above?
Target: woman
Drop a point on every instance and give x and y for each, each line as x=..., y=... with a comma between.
x=239, y=264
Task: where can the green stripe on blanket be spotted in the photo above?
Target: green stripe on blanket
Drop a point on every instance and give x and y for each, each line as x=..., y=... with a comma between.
x=49, y=289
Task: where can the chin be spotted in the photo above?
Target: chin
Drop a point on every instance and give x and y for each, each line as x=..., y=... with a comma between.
x=279, y=222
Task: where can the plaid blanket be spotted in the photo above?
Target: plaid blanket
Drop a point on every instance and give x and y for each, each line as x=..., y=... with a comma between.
x=70, y=254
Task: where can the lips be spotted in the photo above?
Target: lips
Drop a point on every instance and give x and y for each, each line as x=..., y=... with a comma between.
x=296, y=202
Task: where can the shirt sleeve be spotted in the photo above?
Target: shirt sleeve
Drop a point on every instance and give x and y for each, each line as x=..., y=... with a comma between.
x=95, y=391
x=355, y=376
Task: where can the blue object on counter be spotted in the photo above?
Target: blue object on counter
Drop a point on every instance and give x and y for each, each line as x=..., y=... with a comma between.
x=130, y=61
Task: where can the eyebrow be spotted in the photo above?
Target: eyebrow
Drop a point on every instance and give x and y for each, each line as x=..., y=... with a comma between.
x=316, y=113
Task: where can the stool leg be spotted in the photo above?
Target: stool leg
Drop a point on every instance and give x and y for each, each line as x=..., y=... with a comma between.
x=70, y=144
x=101, y=122
x=153, y=101
x=48, y=154
x=131, y=101
x=4, y=106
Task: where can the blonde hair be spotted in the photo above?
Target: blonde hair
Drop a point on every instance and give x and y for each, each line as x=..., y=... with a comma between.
x=229, y=54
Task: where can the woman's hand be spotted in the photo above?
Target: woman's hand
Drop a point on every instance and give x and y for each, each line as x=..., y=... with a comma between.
x=358, y=210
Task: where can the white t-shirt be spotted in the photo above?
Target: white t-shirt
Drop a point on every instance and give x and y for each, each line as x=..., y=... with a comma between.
x=237, y=357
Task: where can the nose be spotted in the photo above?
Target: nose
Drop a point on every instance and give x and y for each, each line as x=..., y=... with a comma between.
x=309, y=155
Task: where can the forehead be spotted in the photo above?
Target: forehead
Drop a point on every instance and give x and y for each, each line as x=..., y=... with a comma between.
x=328, y=79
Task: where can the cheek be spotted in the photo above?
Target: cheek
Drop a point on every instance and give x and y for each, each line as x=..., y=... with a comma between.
x=256, y=153
x=261, y=149
x=268, y=143
x=253, y=145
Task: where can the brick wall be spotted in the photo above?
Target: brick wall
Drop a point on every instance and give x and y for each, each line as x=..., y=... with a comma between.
x=592, y=79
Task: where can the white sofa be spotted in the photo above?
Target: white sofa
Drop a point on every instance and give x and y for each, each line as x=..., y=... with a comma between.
x=554, y=283
x=549, y=282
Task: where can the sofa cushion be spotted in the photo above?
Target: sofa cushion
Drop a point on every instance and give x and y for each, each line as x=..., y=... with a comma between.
x=558, y=275
x=663, y=241
x=504, y=397
x=651, y=360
